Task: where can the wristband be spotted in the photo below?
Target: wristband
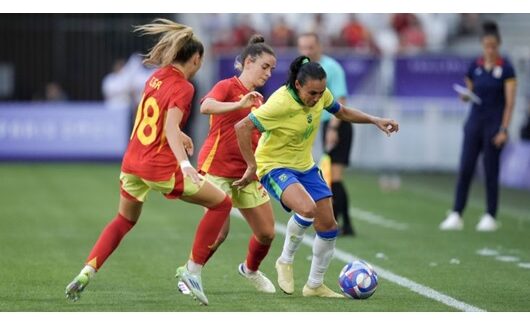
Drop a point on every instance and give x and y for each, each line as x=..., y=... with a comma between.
x=185, y=163
x=504, y=130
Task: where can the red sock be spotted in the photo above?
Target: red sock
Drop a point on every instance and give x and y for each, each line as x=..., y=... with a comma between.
x=210, y=254
x=256, y=253
x=108, y=240
x=208, y=230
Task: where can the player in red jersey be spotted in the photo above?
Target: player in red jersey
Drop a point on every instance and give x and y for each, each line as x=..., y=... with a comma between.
x=156, y=158
x=229, y=101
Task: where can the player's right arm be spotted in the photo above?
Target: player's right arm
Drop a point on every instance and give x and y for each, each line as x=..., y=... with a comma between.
x=175, y=140
x=212, y=106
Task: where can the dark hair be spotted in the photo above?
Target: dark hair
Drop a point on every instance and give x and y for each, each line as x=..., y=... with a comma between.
x=189, y=49
x=489, y=28
x=255, y=47
x=302, y=69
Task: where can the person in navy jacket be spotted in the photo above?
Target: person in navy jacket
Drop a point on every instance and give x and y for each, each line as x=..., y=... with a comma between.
x=492, y=79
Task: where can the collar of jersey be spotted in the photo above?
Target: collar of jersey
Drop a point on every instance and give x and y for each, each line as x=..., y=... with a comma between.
x=295, y=97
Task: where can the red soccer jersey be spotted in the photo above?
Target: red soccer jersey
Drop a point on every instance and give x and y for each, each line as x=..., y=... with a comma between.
x=148, y=154
x=220, y=153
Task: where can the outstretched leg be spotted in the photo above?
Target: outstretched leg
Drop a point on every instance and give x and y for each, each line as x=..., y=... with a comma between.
x=108, y=241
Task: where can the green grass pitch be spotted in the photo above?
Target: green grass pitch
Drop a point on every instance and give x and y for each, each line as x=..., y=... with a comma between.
x=51, y=215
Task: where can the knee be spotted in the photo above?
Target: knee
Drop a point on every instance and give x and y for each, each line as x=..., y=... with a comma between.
x=308, y=211
x=265, y=237
x=326, y=226
x=225, y=205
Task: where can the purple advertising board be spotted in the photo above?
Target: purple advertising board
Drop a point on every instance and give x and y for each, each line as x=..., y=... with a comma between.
x=357, y=69
x=429, y=75
x=62, y=131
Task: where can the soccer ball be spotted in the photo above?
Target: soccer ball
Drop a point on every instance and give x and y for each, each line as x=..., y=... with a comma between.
x=358, y=280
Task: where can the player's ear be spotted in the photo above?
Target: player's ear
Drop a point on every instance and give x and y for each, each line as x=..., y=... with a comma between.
x=197, y=59
x=297, y=84
x=248, y=60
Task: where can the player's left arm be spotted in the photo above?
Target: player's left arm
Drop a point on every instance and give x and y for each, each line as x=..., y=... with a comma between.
x=176, y=141
x=353, y=115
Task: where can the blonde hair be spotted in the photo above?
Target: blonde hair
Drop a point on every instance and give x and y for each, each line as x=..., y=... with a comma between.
x=177, y=42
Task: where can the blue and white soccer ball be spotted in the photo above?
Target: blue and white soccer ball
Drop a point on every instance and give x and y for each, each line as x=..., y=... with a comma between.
x=358, y=280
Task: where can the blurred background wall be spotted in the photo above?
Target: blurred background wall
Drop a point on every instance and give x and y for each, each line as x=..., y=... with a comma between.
x=69, y=83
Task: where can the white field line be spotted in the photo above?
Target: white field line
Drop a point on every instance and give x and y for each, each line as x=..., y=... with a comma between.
x=388, y=275
x=376, y=219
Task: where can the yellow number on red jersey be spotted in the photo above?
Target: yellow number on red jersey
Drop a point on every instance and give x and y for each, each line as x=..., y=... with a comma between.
x=143, y=120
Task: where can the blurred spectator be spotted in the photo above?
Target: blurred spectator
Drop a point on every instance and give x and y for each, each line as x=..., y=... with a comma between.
x=317, y=24
x=54, y=92
x=123, y=87
x=401, y=21
x=469, y=24
x=115, y=86
x=410, y=33
x=218, y=28
x=243, y=30
x=281, y=34
x=356, y=36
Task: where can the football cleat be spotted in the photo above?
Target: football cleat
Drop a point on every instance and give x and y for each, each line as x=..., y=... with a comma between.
x=183, y=288
x=194, y=284
x=74, y=289
x=285, y=277
x=321, y=291
x=257, y=279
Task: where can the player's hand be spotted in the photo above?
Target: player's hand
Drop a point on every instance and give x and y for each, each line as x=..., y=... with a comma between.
x=187, y=142
x=251, y=99
x=500, y=139
x=465, y=98
x=191, y=172
x=388, y=126
x=247, y=178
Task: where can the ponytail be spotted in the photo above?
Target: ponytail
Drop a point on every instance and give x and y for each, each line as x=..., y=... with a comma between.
x=302, y=69
x=177, y=42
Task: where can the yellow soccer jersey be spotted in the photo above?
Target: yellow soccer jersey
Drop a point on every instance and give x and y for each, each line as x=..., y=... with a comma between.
x=288, y=130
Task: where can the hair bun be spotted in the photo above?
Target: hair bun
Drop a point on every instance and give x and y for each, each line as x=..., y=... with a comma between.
x=256, y=39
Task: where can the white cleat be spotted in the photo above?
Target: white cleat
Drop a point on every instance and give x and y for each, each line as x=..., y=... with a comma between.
x=257, y=279
x=285, y=276
x=322, y=291
x=487, y=223
x=452, y=222
x=183, y=288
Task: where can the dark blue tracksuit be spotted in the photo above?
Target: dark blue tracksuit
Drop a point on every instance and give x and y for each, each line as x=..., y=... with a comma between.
x=483, y=123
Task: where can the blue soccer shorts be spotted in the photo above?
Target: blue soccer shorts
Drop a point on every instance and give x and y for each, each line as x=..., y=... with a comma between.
x=277, y=180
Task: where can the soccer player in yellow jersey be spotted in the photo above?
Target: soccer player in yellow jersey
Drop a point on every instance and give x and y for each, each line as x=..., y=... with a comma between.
x=283, y=162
